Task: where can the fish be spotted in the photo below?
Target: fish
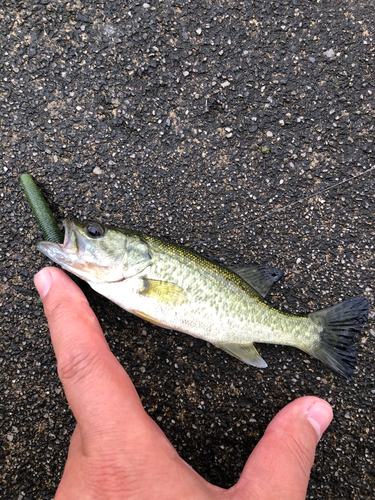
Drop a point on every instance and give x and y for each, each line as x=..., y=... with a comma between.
x=176, y=288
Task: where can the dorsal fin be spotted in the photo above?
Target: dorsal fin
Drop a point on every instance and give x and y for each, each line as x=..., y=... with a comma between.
x=261, y=278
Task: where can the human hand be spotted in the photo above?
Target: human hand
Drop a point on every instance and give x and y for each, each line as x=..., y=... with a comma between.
x=118, y=452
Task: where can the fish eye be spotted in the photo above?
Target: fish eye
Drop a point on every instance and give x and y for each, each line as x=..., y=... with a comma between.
x=94, y=230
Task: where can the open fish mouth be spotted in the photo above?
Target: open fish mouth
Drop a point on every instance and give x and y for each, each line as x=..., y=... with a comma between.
x=70, y=243
x=64, y=253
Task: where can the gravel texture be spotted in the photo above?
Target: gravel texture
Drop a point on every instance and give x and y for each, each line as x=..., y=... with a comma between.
x=243, y=129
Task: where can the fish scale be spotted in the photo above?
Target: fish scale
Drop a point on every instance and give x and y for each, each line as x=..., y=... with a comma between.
x=230, y=299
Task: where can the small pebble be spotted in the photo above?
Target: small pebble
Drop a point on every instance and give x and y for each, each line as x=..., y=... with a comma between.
x=329, y=53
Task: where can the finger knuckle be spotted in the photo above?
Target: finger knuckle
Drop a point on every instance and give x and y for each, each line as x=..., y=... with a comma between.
x=300, y=449
x=58, y=310
x=77, y=364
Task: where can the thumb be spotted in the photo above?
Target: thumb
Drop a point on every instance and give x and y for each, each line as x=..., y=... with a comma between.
x=279, y=467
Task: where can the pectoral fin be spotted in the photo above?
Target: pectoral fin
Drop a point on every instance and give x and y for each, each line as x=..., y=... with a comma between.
x=261, y=278
x=246, y=353
x=164, y=292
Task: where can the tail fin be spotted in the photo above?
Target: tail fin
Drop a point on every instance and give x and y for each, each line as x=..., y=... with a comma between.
x=340, y=323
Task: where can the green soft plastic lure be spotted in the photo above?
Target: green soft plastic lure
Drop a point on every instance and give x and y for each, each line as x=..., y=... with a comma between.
x=41, y=211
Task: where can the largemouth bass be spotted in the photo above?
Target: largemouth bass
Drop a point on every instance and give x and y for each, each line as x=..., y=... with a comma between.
x=176, y=288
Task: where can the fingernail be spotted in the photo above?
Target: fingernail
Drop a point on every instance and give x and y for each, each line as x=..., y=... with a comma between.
x=42, y=282
x=320, y=415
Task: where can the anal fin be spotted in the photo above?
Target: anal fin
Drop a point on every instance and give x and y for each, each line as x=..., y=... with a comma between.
x=245, y=352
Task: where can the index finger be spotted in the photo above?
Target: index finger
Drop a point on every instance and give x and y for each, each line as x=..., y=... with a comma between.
x=98, y=389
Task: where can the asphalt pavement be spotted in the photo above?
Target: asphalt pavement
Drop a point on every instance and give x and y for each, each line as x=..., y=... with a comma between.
x=242, y=129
